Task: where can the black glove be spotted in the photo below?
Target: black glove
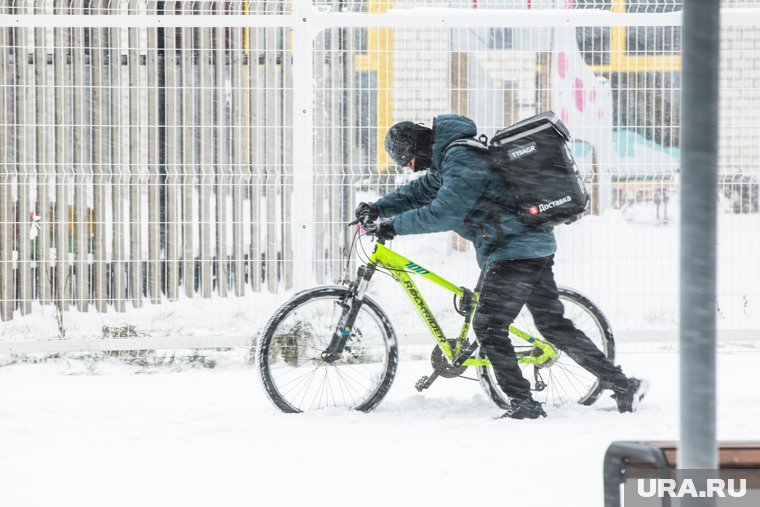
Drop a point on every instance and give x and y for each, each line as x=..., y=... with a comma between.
x=367, y=212
x=383, y=229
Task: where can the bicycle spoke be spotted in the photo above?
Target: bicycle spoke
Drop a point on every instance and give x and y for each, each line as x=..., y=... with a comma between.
x=300, y=377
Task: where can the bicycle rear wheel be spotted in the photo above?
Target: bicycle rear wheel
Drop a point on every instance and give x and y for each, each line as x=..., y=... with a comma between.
x=289, y=348
x=563, y=381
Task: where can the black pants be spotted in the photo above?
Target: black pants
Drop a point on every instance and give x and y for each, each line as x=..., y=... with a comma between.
x=505, y=286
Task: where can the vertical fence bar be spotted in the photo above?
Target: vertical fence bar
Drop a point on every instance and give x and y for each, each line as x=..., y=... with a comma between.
x=286, y=116
x=63, y=163
x=120, y=170
x=80, y=215
x=135, y=168
x=336, y=151
x=271, y=150
x=6, y=178
x=348, y=159
x=188, y=155
x=24, y=150
x=221, y=152
x=254, y=92
x=321, y=156
x=99, y=162
x=238, y=136
x=154, y=185
x=172, y=156
x=42, y=139
x=206, y=155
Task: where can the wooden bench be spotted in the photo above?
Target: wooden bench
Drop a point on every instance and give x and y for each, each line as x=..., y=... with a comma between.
x=664, y=455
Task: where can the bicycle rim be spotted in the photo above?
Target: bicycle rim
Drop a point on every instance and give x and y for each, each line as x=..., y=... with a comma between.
x=296, y=377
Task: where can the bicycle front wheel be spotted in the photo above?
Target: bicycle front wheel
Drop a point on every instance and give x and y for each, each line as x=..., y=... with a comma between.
x=289, y=354
x=562, y=381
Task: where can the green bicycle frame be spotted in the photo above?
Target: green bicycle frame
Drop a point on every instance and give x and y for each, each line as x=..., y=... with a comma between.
x=400, y=268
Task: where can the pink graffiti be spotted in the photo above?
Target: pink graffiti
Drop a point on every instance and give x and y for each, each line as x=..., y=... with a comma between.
x=579, y=99
x=562, y=65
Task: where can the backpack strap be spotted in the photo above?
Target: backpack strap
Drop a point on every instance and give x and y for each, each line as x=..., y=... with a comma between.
x=479, y=144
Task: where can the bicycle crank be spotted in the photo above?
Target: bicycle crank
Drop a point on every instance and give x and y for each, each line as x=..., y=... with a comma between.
x=441, y=368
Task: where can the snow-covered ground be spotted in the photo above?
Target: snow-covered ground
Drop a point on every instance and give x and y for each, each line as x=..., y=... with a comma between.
x=210, y=437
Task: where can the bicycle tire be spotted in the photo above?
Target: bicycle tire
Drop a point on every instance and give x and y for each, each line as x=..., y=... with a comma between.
x=562, y=389
x=298, y=332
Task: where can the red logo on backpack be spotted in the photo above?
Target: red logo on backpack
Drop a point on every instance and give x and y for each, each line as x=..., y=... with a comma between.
x=533, y=210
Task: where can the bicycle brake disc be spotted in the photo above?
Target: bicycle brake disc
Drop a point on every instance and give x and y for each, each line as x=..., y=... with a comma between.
x=441, y=365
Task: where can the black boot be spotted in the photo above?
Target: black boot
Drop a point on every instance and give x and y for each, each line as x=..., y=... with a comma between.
x=525, y=409
x=629, y=396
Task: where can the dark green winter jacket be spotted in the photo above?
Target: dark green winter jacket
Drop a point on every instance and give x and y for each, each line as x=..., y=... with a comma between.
x=460, y=193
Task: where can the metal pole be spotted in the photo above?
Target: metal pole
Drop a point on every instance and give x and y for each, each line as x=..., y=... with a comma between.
x=699, y=159
x=303, y=129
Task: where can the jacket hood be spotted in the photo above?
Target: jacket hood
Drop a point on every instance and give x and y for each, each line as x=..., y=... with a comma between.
x=448, y=128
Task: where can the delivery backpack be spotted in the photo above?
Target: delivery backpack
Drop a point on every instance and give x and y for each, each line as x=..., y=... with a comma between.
x=534, y=158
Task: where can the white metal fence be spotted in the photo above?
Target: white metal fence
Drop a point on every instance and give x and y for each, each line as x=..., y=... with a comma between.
x=157, y=151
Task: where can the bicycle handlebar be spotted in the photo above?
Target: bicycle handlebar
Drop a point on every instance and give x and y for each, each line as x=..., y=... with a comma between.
x=363, y=222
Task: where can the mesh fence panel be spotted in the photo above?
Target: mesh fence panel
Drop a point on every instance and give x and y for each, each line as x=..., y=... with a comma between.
x=145, y=163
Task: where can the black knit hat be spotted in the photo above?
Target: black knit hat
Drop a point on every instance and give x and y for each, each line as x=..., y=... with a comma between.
x=407, y=140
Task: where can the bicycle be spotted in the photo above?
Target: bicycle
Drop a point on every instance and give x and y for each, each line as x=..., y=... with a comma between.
x=334, y=346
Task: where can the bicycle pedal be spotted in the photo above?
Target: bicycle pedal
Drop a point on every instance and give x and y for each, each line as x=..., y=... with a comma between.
x=425, y=382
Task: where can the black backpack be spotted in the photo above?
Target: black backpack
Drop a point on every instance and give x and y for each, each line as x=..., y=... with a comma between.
x=534, y=158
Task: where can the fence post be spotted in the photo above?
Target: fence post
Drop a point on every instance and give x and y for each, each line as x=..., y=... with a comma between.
x=303, y=158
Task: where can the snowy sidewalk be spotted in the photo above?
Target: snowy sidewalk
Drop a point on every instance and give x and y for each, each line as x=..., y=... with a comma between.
x=211, y=438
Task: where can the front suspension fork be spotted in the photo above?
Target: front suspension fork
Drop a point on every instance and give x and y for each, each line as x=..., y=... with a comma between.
x=351, y=306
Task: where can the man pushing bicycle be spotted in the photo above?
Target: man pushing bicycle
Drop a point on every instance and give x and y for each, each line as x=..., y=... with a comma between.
x=460, y=193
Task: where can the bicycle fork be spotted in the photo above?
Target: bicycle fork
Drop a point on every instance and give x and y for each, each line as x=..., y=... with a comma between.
x=351, y=306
